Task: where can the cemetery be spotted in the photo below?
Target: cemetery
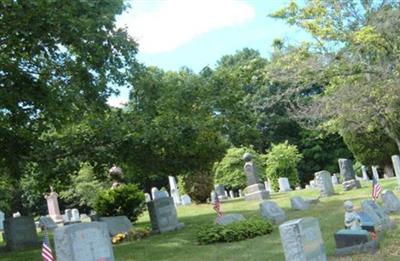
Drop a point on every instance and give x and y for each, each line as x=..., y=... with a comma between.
x=199, y=130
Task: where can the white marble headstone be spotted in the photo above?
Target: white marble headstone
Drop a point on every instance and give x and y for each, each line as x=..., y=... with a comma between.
x=75, y=217
x=186, y=200
x=174, y=190
x=284, y=185
x=375, y=172
x=1, y=220
x=396, y=165
x=364, y=170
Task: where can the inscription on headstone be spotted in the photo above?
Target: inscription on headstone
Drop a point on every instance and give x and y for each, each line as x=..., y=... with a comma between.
x=163, y=215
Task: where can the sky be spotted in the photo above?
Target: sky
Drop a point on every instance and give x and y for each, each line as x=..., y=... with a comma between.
x=197, y=33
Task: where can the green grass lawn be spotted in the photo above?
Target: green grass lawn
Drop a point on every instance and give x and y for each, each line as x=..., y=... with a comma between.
x=182, y=245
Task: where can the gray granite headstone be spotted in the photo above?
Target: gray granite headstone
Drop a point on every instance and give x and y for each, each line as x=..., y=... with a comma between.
x=379, y=217
x=284, y=185
x=299, y=203
x=302, y=241
x=323, y=181
x=390, y=201
x=186, y=200
x=1, y=220
x=20, y=232
x=255, y=190
x=228, y=219
x=163, y=216
x=117, y=224
x=349, y=241
x=270, y=210
x=83, y=242
x=250, y=170
x=346, y=169
x=396, y=165
x=220, y=190
x=47, y=223
x=213, y=196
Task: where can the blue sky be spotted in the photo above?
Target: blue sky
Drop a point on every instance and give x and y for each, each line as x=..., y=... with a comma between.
x=196, y=33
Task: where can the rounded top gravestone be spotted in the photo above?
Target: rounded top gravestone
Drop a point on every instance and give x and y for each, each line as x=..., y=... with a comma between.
x=247, y=157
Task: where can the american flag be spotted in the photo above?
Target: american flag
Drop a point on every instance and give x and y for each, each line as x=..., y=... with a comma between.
x=217, y=206
x=376, y=188
x=46, y=250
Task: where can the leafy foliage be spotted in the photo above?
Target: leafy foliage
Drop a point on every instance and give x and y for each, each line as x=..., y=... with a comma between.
x=125, y=200
x=282, y=161
x=229, y=171
x=198, y=186
x=236, y=231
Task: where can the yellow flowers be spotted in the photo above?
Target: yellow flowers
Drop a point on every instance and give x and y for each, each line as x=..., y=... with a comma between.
x=118, y=238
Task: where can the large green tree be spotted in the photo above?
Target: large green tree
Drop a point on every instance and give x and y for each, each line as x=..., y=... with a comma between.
x=58, y=61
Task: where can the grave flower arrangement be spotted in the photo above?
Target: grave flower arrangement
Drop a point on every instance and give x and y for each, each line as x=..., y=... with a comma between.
x=132, y=235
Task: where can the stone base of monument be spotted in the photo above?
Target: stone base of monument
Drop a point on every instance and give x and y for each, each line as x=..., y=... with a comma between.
x=350, y=242
x=351, y=184
x=256, y=192
x=20, y=233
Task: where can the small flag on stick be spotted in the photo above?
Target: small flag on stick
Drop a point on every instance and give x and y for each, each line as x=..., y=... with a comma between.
x=376, y=188
x=217, y=206
x=46, y=250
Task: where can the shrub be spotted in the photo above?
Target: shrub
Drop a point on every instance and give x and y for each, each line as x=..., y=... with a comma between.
x=137, y=234
x=198, y=186
x=282, y=161
x=229, y=171
x=237, y=231
x=125, y=200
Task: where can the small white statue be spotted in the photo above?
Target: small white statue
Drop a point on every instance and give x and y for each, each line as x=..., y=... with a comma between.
x=351, y=219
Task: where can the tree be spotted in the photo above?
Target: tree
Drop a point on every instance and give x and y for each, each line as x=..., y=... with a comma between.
x=229, y=171
x=58, y=61
x=281, y=161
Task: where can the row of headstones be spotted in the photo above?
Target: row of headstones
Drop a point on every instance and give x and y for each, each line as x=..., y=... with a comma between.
x=156, y=194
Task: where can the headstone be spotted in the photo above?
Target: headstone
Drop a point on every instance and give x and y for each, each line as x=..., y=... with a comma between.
x=16, y=214
x=379, y=217
x=312, y=184
x=284, y=185
x=226, y=194
x=323, y=181
x=270, y=210
x=68, y=213
x=83, y=242
x=186, y=200
x=47, y=223
x=366, y=221
x=334, y=179
x=213, y=196
x=220, y=190
x=351, y=184
x=308, y=187
x=364, y=170
x=163, y=216
x=52, y=206
x=75, y=216
x=255, y=190
x=174, y=190
x=154, y=191
x=396, y=165
x=231, y=194
x=228, y=219
x=350, y=242
x=147, y=197
x=299, y=203
x=375, y=172
x=346, y=169
x=302, y=241
x=117, y=224
x=1, y=220
x=390, y=201
x=20, y=232
x=241, y=193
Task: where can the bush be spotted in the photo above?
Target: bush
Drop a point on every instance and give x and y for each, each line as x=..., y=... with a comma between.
x=229, y=171
x=282, y=162
x=237, y=231
x=125, y=200
x=198, y=186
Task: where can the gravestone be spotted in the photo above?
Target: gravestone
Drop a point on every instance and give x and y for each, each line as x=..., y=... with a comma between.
x=302, y=241
x=117, y=224
x=375, y=172
x=20, y=232
x=186, y=200
x=68, y=213
x=390, y=201
x=270, y=210
x=52, y=206
x=75, y=216
x=174, y=190
x=335, y=180
x=241, y=193
x=163, y=215
x=312, y=184
x=323, y=181
x=299, y=203
x=255, y=190
x=351, y=184
x=364, y=170
x=379, y=217
x=147, y=197
x=228, y=219
x=154, y=191
x=284, y=185
x=350, y=242
x=226, y=194
x=213, y=196
x=366, y=221
x=396, y=165
x=231, y=194
x=83, y=242
x=1, y=220
x=220, y=190
x=346, y=169
x=47, y=223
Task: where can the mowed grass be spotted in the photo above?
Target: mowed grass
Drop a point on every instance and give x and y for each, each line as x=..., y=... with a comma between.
x=182, y=244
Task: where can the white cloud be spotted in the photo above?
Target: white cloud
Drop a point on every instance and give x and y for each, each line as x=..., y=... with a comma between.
x=173, y=23
x=117, y=102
